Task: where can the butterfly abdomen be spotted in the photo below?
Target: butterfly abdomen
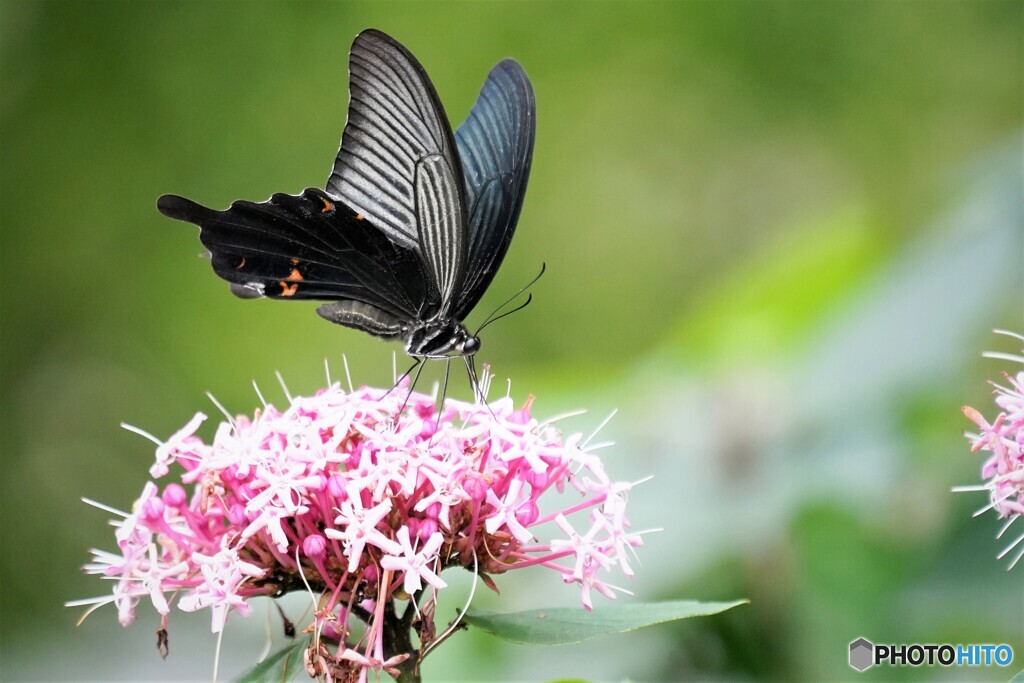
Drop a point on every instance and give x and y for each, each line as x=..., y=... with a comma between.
x=365, y=317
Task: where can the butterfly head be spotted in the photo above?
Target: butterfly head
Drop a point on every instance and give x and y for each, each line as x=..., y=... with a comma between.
x=471, y=345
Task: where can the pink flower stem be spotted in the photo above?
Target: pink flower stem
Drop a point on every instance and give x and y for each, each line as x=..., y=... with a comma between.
x=528, y=561
x=324, y=574
x=596, y=500
x=336, y=592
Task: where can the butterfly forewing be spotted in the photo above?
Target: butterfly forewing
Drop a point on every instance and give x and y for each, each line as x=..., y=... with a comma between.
x=398, y=163
x=496, y=147
x=442, y=236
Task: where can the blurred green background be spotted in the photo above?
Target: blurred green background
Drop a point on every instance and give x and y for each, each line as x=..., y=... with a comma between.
x=778, y=237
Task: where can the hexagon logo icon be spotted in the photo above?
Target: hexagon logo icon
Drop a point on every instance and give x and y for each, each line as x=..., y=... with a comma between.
x=862, y=654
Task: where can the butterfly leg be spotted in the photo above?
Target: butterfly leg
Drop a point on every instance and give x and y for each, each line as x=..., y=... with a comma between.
x=473, y=383
x=416, y=378
x=405, y=374
x=444, y=392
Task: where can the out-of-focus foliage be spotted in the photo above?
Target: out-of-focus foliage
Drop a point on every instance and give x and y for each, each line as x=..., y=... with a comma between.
x=777, y=236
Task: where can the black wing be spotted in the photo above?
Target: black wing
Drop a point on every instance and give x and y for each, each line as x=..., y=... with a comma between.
x=308, y=247
x=398, y=163
x=496, y=148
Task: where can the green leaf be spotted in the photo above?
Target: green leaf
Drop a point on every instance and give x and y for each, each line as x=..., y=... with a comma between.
x=280, y=667
x=571, y=625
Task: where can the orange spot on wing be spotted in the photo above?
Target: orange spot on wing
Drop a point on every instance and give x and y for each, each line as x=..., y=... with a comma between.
x=295, y=261
x=288, y=290
x=240, y=265
x=295, y=276
x=359, y=216
x=327, y=206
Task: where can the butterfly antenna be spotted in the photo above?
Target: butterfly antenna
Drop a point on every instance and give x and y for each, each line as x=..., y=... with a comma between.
x=506, y=314
x=512, y=298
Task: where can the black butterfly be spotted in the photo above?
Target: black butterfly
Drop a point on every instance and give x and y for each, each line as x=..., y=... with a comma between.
x=414, y=221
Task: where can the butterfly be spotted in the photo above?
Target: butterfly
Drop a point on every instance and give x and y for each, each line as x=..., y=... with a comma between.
x=413, y=222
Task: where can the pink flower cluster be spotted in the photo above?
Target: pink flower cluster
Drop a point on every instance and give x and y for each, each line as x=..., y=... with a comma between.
x=351, y=496
x=1003, y=471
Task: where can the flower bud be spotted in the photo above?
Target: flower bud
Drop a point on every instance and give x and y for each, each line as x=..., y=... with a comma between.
x=236, y=514
x=428, y=527
x=476, y=488
x=153, y=509
x=432, y=511
x=174, y=495
x=314, y=545
x=528, y=513
x=336, y=487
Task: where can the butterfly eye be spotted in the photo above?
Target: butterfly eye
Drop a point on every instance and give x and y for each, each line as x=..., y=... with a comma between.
x=471, y=346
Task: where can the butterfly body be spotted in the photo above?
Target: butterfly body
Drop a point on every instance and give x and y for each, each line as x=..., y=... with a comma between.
x=440, y=338
x=414, y=221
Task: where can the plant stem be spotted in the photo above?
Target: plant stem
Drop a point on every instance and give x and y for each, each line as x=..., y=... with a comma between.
x=398, y=639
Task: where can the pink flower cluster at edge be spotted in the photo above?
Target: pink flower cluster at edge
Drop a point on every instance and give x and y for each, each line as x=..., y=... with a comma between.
x=1003, y=470
x=337, y=494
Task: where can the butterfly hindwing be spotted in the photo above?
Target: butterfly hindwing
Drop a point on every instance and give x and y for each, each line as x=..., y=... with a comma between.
x=398, y=164
x=496, y=148
x=305, y=247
